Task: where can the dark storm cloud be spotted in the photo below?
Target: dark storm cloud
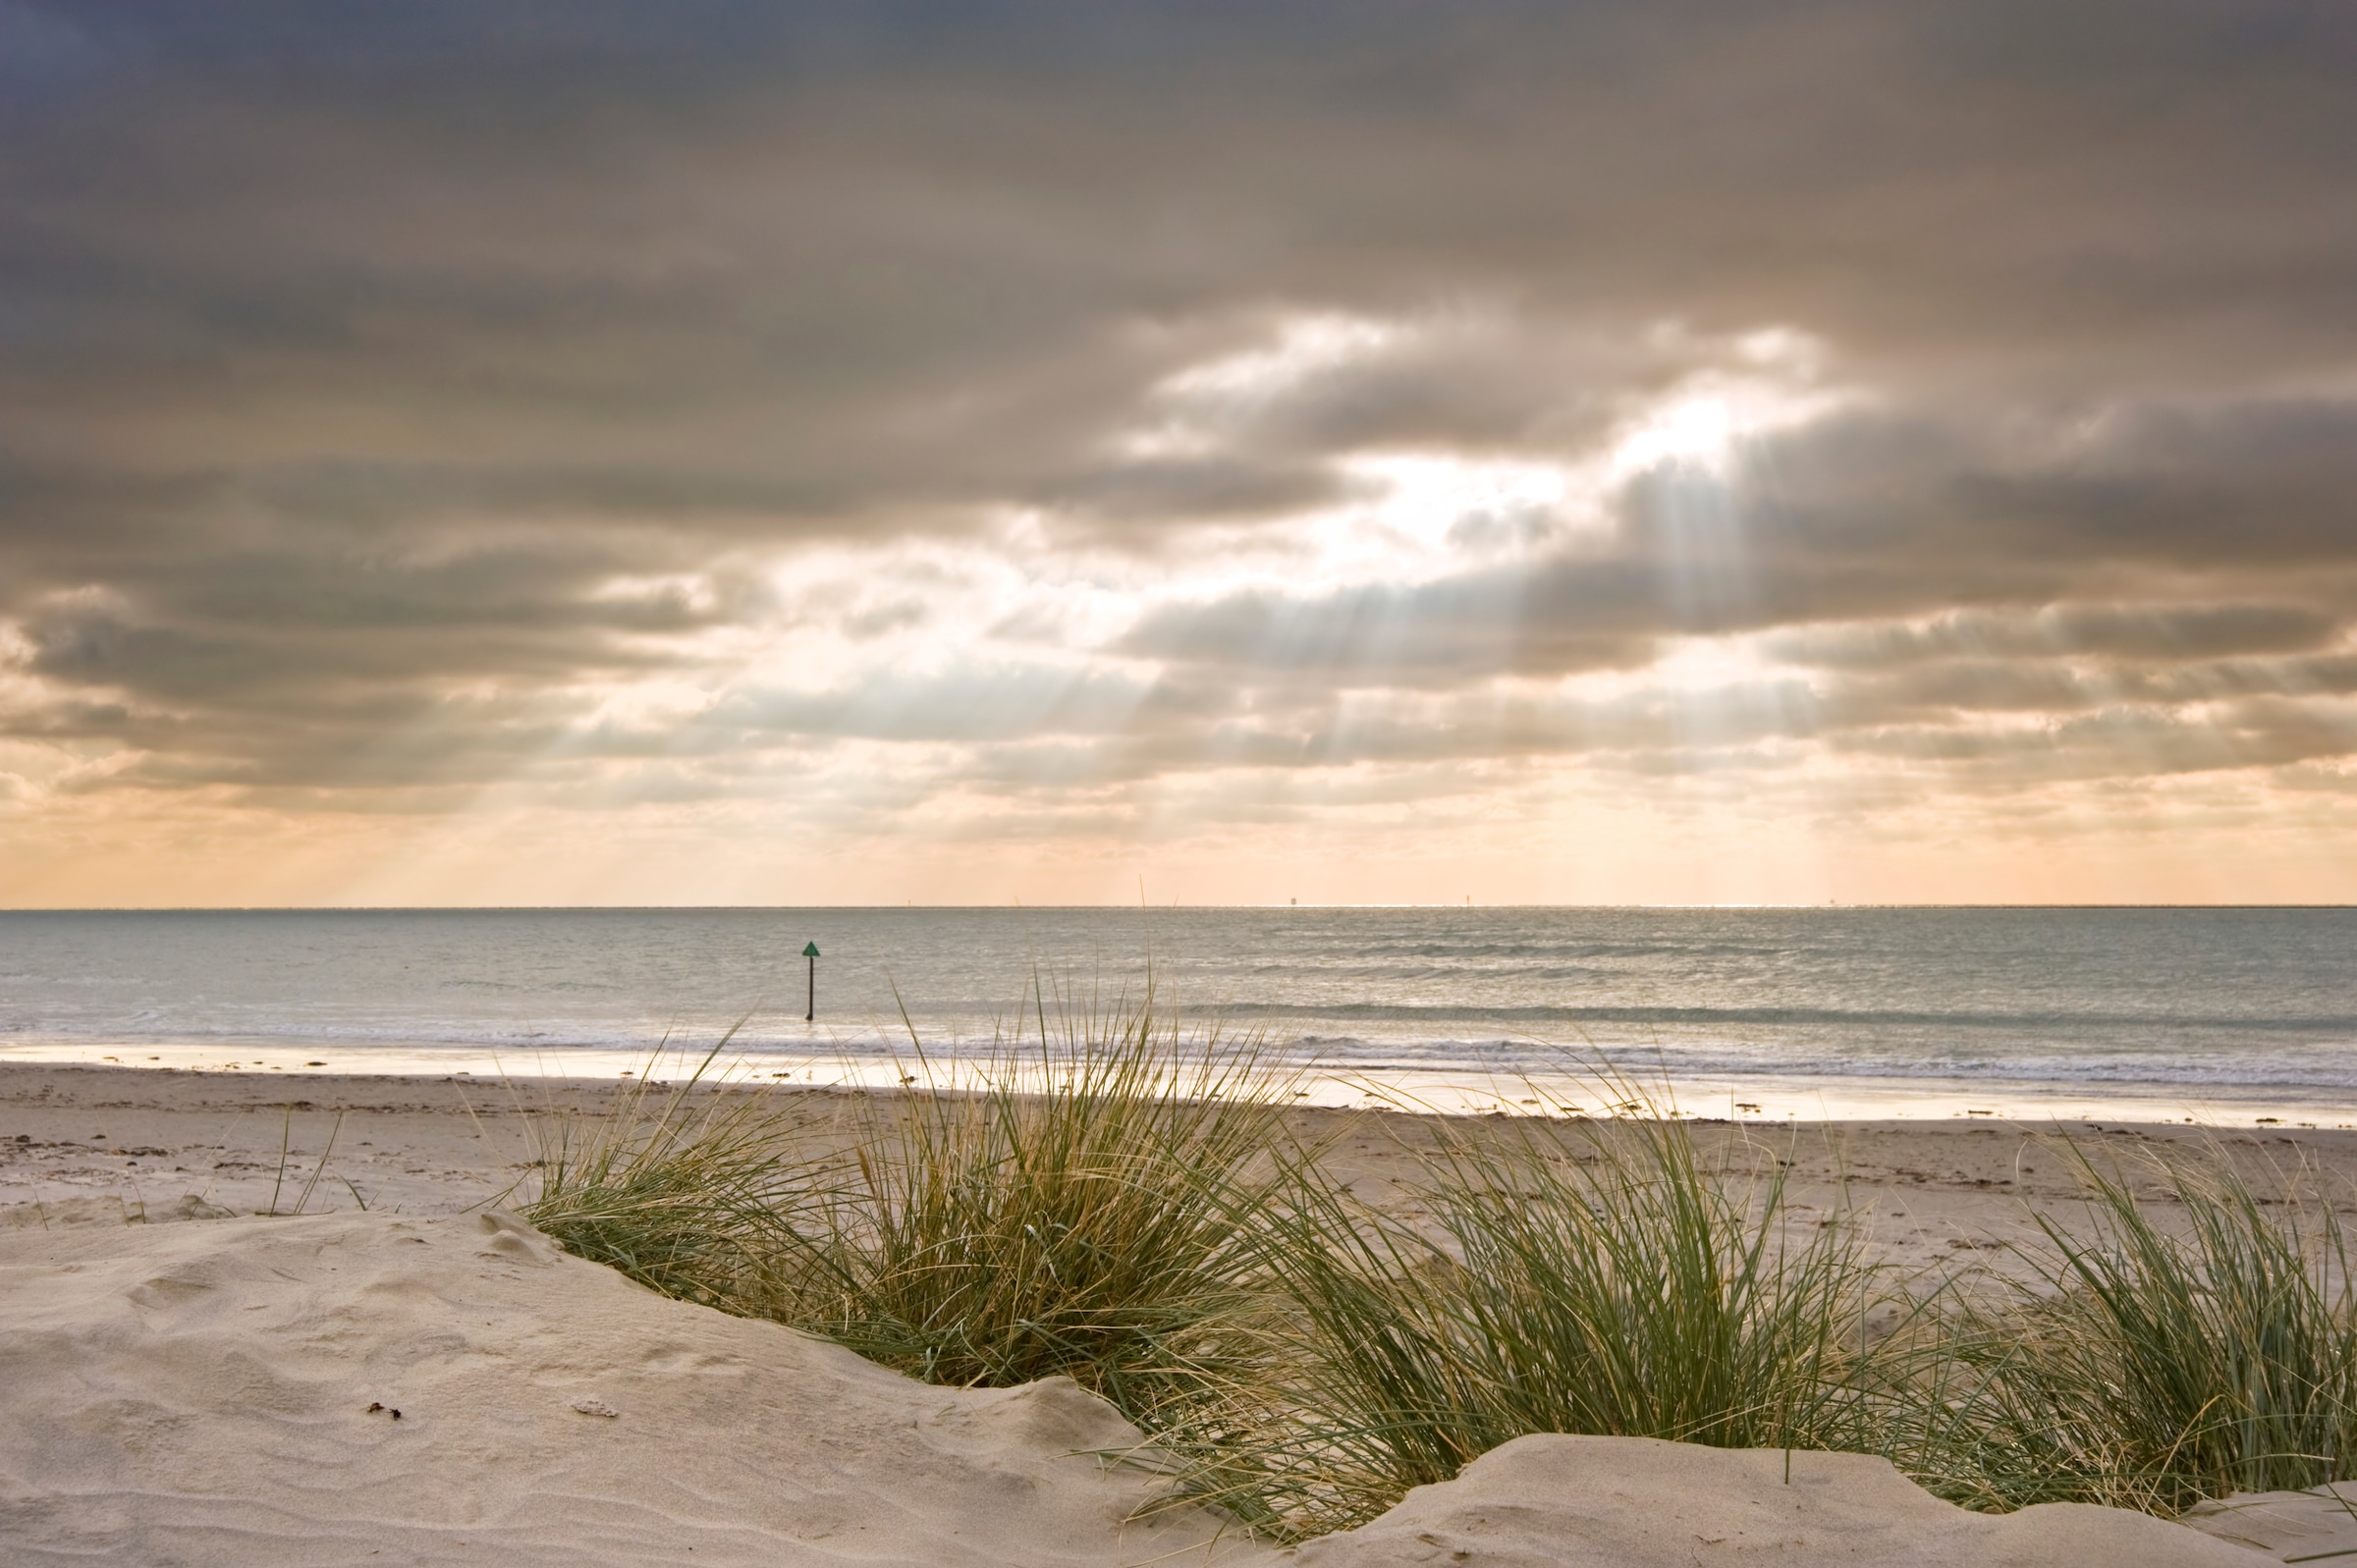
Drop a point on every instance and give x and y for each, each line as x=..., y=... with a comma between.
x=350, y=356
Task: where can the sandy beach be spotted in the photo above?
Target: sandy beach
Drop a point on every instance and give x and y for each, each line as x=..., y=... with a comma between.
x=430, y=1381
x=109, y=1139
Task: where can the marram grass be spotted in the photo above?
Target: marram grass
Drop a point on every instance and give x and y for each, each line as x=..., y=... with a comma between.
x=1597, y=1278
x=2192, y=1336
x=1116, y=1198
x=691, y=1191
x=1093, y=1212
x=1086, y=1201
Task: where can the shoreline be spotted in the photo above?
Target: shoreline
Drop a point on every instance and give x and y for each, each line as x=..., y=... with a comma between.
x=1762, y=1101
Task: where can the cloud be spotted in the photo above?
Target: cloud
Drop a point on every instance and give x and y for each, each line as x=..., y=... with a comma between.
x=2152, y=631
x=399, y=408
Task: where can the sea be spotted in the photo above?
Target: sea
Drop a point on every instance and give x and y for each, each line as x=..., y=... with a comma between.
x=2225, y=1014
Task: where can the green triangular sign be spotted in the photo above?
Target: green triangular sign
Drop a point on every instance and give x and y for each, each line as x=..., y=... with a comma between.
x=810, y=949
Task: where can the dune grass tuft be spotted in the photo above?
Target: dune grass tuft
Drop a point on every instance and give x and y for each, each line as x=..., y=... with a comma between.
x=1092, y=1209
x=2187, y=1340
x=1084, y=1199
x=1600, y=1278
x=689, y=1190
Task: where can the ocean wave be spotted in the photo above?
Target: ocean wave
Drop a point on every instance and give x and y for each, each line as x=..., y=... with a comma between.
x=2326, y=1069
x=2329, y=1068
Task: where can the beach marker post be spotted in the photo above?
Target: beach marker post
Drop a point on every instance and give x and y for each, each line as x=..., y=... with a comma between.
x=811, y=951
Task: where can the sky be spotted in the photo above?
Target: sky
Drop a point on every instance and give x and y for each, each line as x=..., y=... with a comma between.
x=479, y=451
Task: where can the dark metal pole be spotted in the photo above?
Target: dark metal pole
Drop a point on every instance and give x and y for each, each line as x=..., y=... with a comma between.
x=811, y=1014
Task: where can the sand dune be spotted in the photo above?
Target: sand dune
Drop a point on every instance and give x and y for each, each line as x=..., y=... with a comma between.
x=208, y=1393
x=1603, y=1502
x=2316, y=1526
x=222, y=1392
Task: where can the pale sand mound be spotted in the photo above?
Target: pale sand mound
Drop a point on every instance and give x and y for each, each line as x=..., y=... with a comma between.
x=2314, y=1525
x=1627, y=1502
x=199, y=1394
